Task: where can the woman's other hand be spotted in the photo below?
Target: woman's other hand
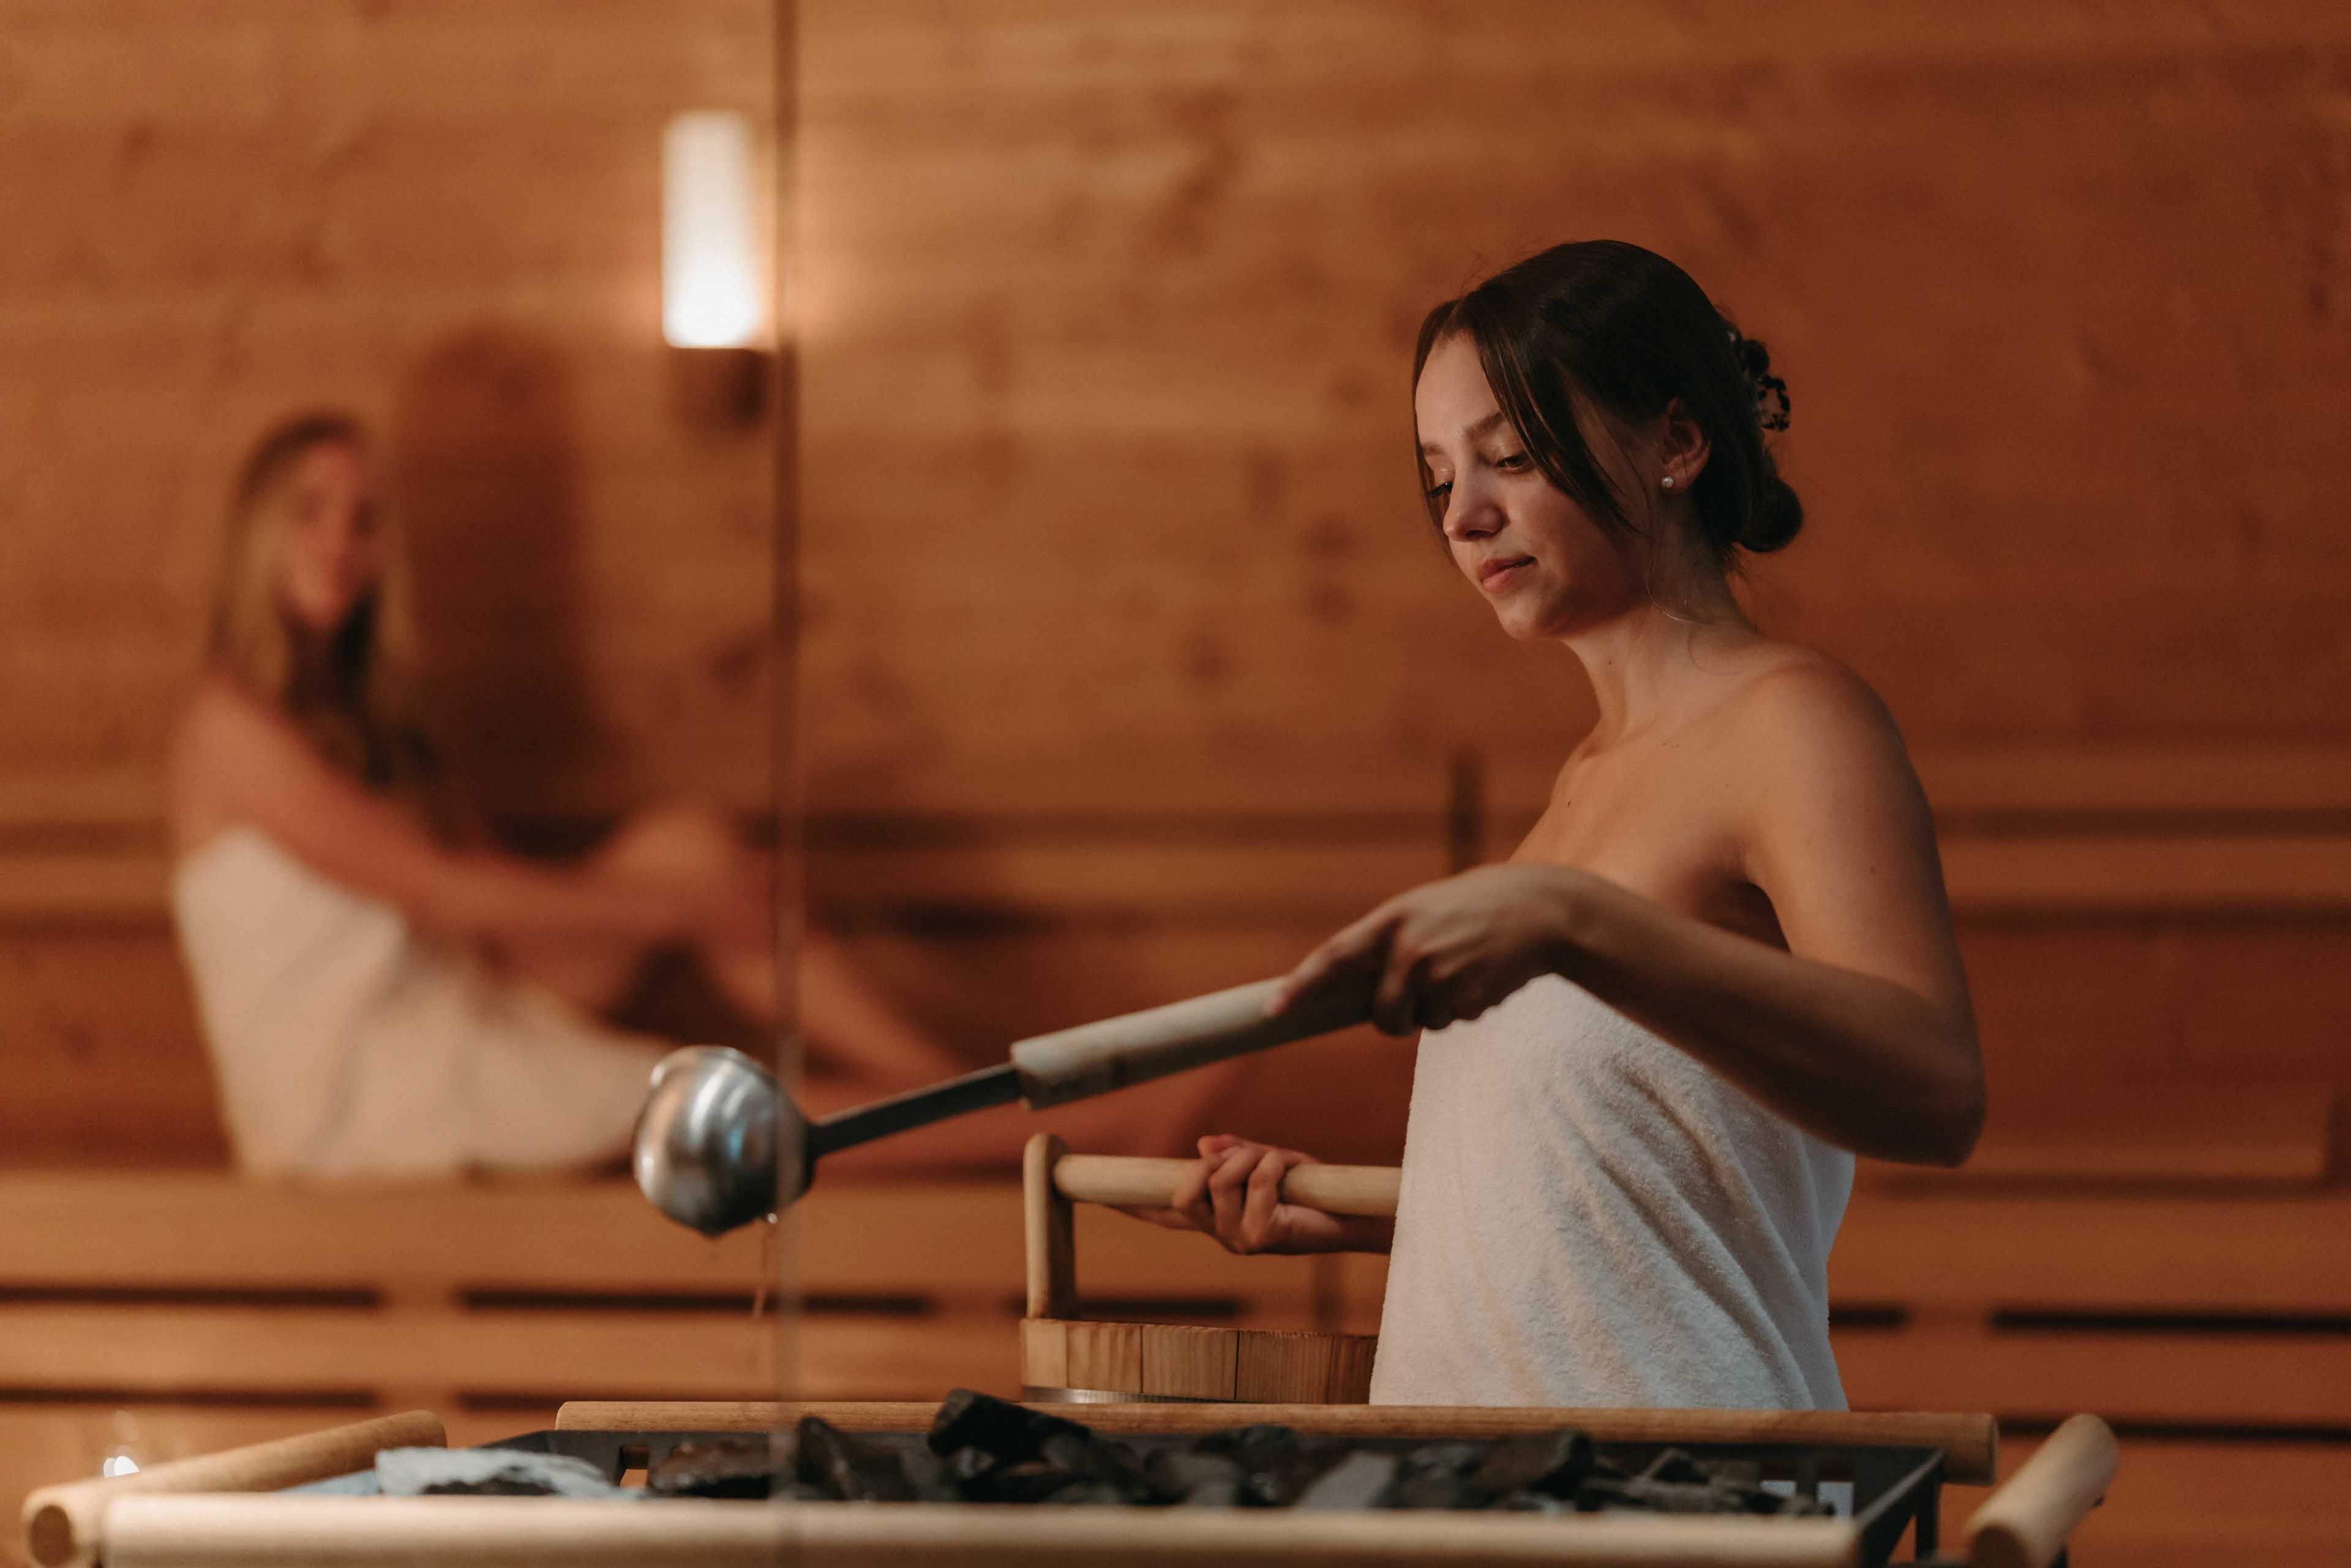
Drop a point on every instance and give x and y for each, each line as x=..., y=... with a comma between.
x=1448, y=950
x=1234, y=1194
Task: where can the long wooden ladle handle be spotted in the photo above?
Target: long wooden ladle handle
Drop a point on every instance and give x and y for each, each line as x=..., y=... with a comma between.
x=64, y=1525
x=2026, y=1522
x=1135, y=1048
x=1146, y=1184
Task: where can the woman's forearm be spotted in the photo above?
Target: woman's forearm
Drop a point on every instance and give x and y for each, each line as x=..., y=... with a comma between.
x=490, y=893
x=1861, y=1061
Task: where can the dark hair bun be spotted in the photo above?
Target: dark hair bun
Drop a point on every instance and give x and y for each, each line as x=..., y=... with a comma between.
x=1773, y=512
x=1632, y=332
x=1775, y=519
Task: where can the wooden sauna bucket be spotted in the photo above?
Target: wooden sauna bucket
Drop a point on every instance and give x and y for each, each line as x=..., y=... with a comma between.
x=1065, y=1357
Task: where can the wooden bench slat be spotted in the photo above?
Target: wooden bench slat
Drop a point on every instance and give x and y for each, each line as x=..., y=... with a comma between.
x=2257, y=1380
x=934, y=1239
x=966, y=1238
x=1136, y=874
x=2284, y=1253
x=2147, y=873
x=2175, y=1136
x=294, y=1350
x=149, y=1351
x=136, y=1231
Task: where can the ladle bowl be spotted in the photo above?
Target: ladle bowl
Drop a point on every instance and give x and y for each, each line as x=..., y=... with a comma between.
x=708, y=1139
x=720, y=1144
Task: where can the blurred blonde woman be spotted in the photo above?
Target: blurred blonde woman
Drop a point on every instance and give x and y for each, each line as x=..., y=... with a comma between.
x=383, y=991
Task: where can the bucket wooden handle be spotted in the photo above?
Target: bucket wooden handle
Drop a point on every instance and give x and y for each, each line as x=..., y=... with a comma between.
x=1053, y=1181
x=1143, y=1183
x=2026, y=1522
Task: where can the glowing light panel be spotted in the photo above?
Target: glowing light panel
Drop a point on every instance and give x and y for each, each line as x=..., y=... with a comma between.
x=710, y=265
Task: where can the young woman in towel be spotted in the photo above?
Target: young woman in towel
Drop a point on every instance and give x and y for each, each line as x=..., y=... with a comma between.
x=383, y=992
x=1719, y=966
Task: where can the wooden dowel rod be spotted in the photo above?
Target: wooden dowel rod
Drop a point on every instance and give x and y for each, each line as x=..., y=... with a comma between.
x=213, y=1531
x=2026, y=1522
x=1047, y=1231
x=66, y=1524
x=524, y=1532
x=1144, y=1183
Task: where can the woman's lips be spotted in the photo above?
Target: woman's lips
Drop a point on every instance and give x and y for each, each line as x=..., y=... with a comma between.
x=1495, y=575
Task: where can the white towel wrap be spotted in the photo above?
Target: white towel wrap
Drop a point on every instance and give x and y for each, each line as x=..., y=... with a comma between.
x=1590, y=1217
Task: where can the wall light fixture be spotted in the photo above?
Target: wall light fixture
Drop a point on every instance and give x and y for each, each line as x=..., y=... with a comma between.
x=714, y=306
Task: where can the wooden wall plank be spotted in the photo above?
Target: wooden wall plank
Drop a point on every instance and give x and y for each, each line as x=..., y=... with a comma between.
x=445, y=219
x=1154, y=399
x=298, y=1350
x=2241, y=1254
x=2275, y=1380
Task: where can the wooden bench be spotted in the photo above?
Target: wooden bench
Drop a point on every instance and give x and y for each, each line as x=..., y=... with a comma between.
x=183, y=1313
x=2209, y=1319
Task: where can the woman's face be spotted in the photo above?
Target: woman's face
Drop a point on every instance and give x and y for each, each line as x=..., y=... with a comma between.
x=1544, y=564
x=330, y=557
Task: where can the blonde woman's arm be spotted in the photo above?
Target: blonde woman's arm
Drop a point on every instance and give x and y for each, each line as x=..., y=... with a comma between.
x=246, y=763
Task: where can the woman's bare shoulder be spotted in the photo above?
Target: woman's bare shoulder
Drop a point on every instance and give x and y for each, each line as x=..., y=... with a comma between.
x=1795, y=701
x=221, y=733
x=219, y=713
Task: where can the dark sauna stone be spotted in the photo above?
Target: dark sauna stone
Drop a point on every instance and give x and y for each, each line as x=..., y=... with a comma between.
x=1672, y=1465
x=1262, y=1437
x=1031, y=1480
x=488, y=1472
x=982, y=1450
x=748, y=1467
x=1276, y=1463
x=1550, y=1463
x=1008, y=1432
x=1359, y=1480
x=1194, y=1479
x=1441, y=1475
x=847, y=1469
x=960, y=1471
x=1711, y=1495
x=1657, y=1497
x=1098, y=1459
x=1111, y=1470
x=490, y=1486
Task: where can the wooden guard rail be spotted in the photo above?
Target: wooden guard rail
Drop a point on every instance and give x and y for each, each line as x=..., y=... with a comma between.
x=216, y=1507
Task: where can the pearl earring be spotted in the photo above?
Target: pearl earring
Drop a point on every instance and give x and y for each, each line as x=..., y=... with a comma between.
x=1668, y=481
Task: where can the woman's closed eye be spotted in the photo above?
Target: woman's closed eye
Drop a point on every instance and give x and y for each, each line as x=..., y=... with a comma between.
x=1438, y=493
x=1512, y=462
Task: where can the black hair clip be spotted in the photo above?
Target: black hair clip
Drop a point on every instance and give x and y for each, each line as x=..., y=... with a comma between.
x=1769, y=393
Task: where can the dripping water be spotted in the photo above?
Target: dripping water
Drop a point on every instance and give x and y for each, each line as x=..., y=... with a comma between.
x=767, y=1280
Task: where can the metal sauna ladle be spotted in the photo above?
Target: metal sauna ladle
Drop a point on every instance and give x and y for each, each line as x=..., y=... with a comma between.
x=718, y=1145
